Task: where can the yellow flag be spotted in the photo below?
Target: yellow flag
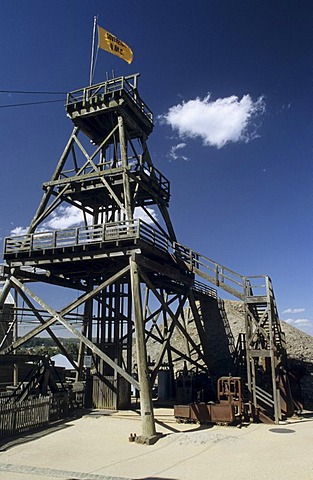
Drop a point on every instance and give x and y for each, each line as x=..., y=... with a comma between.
x=111, y=44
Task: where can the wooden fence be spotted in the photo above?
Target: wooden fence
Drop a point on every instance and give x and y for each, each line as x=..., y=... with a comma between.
x=16, y=418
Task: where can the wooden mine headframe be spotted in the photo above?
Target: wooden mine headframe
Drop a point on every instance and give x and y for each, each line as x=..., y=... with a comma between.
x=129, y=278
x=106, y=173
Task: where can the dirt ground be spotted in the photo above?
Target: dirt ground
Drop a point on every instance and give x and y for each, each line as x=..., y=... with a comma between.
x=97, y=447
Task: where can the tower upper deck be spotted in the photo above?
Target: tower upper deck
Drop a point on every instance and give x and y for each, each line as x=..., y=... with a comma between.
x=94, y=108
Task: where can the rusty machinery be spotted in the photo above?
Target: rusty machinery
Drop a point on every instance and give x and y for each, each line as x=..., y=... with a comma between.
x=228, y=409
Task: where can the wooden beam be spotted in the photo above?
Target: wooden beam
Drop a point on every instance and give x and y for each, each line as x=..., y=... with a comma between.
x=52, y=335
x=161, y=300
x=58, y=317
x=102, y=179
x=180, y=354
x=64, y=311
x=45, y=199
x=146, y=408
x=168, y=335
x=166, y=270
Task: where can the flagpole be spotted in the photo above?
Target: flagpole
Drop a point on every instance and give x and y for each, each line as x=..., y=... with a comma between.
x=93, y=50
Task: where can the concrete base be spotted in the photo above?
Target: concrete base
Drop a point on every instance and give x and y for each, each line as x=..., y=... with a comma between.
x=144, y=440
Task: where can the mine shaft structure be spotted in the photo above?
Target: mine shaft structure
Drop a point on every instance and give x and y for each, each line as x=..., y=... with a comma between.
x=128, y=278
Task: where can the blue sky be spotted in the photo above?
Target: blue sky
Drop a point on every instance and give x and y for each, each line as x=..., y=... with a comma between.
x=230, y=86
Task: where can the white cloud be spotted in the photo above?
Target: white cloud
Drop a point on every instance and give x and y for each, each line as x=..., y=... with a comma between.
x=64, y=217
x=302, y=321
x=18, y=231
x=71, y=216
x=298, y=321
x=142, y=215
x=294, y=310
x=173, y=152
x=216, y=122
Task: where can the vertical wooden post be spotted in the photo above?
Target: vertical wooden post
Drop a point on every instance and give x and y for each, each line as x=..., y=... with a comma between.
x=86, y=328
x=126, y=186
x=249, y=360
x=15, y=337
x=88, y=312
x=276, y=394
x=147, y=416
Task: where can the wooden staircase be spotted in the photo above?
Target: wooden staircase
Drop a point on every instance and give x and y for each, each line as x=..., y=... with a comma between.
x=262, y=350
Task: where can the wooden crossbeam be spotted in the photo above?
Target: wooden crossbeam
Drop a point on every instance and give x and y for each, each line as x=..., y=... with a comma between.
x=79, y=301
x=58, y=317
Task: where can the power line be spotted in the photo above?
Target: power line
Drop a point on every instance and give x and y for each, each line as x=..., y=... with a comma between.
x=28, y=92
x=30, y=103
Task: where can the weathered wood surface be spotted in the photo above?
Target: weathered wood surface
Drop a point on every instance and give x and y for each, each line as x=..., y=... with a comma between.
x=20, y=417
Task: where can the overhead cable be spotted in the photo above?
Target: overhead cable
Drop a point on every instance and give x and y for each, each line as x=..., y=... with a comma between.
x=30, y=103
x=32, y=92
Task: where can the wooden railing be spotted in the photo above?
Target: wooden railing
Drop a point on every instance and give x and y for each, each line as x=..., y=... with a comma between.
x=127, y=84
x=80, y=236
x=127, y=230
x=221, y=276
x=212, y=271
x=71, y=237
x=153, y=237
x=153, y=173
x=135, y=165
